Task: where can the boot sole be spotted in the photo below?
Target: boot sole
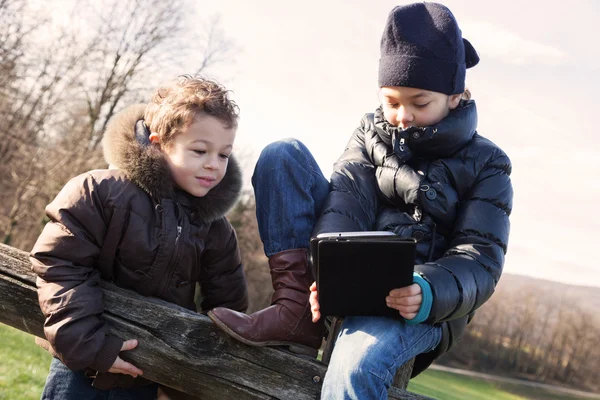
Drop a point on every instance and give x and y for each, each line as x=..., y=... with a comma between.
x=292, y=346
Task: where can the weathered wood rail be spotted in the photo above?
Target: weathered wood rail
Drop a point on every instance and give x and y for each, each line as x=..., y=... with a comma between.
x=177, y=348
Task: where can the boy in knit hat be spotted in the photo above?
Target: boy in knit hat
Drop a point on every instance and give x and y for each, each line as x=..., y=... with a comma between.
x=416, y=167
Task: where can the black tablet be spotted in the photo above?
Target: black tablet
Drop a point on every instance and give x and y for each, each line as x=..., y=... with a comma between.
x=355, y=271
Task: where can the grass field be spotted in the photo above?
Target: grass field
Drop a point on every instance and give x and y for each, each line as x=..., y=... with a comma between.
x=23, y=365
x=449, y=386
x=23, y=369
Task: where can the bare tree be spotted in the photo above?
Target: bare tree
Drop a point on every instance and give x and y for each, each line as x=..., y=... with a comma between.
x=65, y=87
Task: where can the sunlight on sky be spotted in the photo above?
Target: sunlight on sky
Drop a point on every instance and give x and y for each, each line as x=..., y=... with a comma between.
x=511, y=48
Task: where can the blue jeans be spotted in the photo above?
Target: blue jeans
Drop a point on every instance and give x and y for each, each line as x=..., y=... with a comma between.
x=64, y=384
x=369, y=351
x=290, y=192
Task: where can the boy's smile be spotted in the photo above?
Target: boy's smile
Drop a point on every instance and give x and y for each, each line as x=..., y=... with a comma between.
x=407, y=106
x=198, y=156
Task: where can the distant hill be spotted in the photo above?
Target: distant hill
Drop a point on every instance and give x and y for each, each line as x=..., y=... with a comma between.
x=587, y=296
x=537, y=330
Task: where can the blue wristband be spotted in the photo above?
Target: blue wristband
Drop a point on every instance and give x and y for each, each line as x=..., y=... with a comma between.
x=423, y=313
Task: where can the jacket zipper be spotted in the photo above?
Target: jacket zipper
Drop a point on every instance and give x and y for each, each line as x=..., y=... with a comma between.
x=173, y=262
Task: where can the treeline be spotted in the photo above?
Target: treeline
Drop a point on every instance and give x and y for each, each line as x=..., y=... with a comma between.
x=532, y=331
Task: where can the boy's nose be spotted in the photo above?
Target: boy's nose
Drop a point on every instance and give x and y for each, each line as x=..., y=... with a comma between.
x=211, y=163
x=404, y=117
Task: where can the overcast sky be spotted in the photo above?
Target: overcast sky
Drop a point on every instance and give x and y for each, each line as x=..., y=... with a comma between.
x=308, y=69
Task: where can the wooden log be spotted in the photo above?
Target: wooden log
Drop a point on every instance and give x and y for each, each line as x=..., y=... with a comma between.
x=177, y=347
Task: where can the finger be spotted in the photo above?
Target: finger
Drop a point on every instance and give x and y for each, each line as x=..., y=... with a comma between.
x=316, y=315
x=130, y=369
x=409, y=309
x=405, y=301
x=129, y=345
x=313, y=299
x=405, y=309
x=314, y=296
x=314, y=304
x=123, y=367
x=406, y=291
x=408, y=315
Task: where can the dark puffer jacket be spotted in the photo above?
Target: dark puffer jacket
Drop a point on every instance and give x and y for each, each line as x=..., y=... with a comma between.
x=131, y=226
x=444, y=185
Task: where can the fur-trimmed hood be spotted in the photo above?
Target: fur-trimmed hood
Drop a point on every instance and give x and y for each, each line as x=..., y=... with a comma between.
x=145, y=165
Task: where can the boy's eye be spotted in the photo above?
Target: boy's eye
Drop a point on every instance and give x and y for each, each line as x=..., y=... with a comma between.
x=224, y=156
x=200, y=152
x=421, y=105
x=392, y=105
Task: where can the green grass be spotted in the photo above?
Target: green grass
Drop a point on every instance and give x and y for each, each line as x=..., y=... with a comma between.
x=23, y=365
x=447, y=386
x=444, y=385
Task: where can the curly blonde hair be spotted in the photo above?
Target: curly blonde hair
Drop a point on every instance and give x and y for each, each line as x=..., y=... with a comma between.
x=174, y=107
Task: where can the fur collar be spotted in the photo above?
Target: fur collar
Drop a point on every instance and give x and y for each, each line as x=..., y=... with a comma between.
x=145, y=165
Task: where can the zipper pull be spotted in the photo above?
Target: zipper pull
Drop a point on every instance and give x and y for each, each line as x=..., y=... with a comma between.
x=178, y=234
x=417, y=213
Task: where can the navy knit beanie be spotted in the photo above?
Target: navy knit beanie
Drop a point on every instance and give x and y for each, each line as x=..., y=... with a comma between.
x=422, y=47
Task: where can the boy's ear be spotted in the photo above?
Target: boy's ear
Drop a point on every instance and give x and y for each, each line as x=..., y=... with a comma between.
x=154, y=138
x=454, y=100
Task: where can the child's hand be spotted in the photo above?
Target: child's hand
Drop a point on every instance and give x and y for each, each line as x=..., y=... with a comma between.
x=407, y=300
x=123, y=367
x=314, y=302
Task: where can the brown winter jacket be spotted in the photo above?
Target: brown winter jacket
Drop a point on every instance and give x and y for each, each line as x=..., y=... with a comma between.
x=132, y=227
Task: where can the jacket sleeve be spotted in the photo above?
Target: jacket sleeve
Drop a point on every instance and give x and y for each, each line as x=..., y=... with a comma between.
x=466, y=276
x=68, y=284
x=222, y=279
x=352, y=202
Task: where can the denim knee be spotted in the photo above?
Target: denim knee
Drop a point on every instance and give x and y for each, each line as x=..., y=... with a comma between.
x=276, y=154
x=356, y=375
x=290, y=191
x=368, y=352
x=356, y=365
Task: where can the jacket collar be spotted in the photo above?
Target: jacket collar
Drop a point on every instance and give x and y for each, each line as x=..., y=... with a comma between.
x=144, y=164
x=440, y=140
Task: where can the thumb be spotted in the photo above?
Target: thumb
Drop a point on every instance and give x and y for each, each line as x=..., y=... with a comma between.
x=129, y=345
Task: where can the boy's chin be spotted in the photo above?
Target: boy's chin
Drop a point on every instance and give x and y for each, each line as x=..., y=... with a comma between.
x=200, y=193
x=195, y=191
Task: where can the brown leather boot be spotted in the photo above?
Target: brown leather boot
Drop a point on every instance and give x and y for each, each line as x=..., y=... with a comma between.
x=288, y=320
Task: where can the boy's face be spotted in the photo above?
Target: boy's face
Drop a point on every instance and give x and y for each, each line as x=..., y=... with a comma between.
x=198, y=156
x=406, y=106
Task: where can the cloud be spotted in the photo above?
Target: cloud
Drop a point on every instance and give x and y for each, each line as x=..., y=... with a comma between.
x=509, y=47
